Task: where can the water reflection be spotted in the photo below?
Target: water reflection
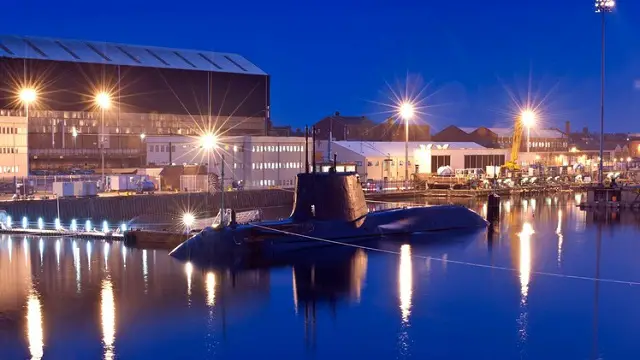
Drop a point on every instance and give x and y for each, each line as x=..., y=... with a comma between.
x=34, y=325
x=228, y=304
x=210, y=285
x=560, y=237
x=525, y=259
x=108, y=316
x=405, y=281
x=188, y=269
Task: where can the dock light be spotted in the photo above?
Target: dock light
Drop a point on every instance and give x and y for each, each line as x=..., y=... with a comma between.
x=25, y=222
x=87, y=226
x=28, y=95
x=123, y=227
x=57, y=225
x=105, y=226
x=208, y=141
x=628, y=158
x=605, y=6
x=188, y=219
x=74, y=225
x=142, y=136
x=40, y=223
x=9, y=222
x=528, y=118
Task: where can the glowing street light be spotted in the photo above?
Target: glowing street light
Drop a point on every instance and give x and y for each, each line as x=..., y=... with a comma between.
x=103, y=100
x=142, y=136
x=406, y=110
x=528, y=118
x=28, y=96
x=602, y=7
x=188, y=220
x=208, y=141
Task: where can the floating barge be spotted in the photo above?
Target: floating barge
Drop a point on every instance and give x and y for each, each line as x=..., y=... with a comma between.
x=612, y=197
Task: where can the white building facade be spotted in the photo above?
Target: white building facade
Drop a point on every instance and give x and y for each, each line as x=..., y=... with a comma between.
x=257, y=161
x=380, y=160
x=14, y=155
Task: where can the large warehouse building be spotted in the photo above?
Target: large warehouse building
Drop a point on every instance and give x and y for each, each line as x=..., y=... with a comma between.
x=65, y=88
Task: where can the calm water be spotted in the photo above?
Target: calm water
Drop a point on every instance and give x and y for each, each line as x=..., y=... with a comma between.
x=456, y=296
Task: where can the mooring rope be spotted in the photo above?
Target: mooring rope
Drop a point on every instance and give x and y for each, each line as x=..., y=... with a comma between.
x=457, y=262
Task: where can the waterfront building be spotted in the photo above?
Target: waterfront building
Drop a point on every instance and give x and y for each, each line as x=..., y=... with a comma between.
x=78, y=90
x=380, y=160
x=257, y=161
x=13, y=146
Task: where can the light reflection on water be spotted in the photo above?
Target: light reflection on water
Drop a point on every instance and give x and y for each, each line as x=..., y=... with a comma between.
x=133, y=299
x=35, y=335
x=108, y=317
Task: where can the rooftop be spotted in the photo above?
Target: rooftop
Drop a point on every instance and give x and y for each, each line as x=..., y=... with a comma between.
x=27, y=47
x=507, y=132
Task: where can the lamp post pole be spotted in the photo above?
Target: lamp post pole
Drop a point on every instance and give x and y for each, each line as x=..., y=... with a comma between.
x=602, y=7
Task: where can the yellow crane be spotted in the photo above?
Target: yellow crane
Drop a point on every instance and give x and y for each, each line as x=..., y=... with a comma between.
x=527, y=117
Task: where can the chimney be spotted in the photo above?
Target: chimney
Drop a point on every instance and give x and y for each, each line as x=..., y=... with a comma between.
x=567, y=128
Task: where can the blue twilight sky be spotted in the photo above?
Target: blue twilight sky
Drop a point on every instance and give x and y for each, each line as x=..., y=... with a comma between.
x=347, y=56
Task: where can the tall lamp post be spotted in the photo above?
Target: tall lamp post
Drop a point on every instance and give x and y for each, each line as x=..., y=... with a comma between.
x=143, y=150
x=27, y=97
x=602, y=7
x=103, y=101
x=208, y=142
x=407, y=110
x=528, y=118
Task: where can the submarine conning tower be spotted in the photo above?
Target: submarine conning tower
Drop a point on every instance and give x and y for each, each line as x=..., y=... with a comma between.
x=328, y=196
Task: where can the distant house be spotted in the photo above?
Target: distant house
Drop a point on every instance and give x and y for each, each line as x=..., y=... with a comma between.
x=344, y=128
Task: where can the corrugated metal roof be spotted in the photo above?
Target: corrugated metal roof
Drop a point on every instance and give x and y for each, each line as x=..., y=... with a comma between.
x=27, y=47
x=397, y=148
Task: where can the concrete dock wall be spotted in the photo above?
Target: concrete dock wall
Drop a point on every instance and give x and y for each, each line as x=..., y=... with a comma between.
x=122, y=208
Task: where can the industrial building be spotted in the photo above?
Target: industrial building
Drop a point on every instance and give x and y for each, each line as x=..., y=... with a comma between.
x=386, y=160
x=257, y=161
x=540, y=140
x=72, y=91
x=361, y=128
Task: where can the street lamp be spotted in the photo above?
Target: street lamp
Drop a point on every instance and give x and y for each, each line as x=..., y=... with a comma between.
x=602, y=7
x=406, y=111
x=27, y=97
x=528, y=118
x=74, y=133
x=208, y=142
x=103, y=101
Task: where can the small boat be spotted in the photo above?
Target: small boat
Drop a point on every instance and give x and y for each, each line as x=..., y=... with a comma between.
x=329, y=208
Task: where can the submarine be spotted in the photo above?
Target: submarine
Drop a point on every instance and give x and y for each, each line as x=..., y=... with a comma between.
x=329, y=209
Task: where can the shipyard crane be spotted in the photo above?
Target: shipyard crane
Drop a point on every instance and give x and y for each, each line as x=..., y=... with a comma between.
x=527, y=117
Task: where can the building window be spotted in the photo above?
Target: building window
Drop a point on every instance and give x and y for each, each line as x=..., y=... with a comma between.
x=439, y=160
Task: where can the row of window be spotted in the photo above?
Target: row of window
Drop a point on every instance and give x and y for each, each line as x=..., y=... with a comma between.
x=271, y=165
x=8, y=150
x=278, y=148
x=267, y=182
x=9, y=169
x=389, y=163
x=8, y=130
x=482, y=161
